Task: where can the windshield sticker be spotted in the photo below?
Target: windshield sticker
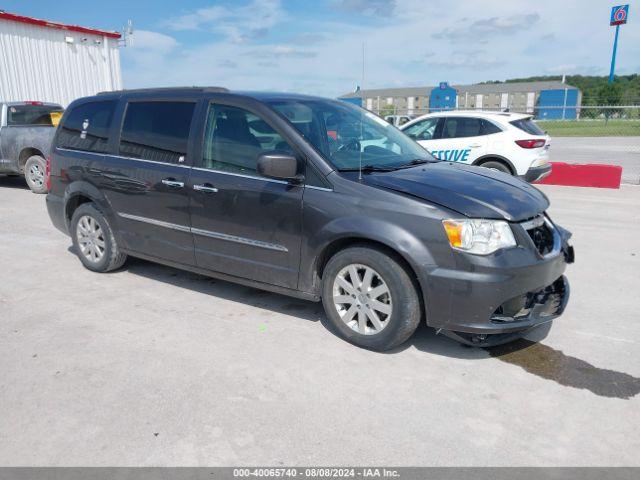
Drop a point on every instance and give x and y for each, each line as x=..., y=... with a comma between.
x=85, y=126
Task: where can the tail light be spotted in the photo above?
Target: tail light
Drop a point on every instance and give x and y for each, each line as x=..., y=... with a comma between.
x=47, y=173
x=33, y=102
x=535, y=143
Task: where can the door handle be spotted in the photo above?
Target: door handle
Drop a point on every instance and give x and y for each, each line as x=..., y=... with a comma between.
x=206, y=188
x=475, y=145
x=170, y=182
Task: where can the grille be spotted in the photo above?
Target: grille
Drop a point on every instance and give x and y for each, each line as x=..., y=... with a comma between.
x=542, y=237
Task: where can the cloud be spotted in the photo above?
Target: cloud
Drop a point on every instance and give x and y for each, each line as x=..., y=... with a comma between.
x=572, y=68
x=318, y=50
x=148, y=41
x=367, y=7
x=227, y=64
x=308, y=38
x=475, y=59
x=238, y=24
x=281, y=51
x=482, y=30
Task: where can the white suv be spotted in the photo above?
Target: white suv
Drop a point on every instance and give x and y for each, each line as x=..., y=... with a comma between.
x=509, y=142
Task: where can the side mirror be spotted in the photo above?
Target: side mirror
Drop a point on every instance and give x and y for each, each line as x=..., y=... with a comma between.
x=279, y=165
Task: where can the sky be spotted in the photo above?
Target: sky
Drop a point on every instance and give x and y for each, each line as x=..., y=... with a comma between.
x=316, y=47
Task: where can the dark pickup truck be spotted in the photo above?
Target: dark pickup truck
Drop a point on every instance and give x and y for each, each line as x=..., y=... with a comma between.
x=26, y=131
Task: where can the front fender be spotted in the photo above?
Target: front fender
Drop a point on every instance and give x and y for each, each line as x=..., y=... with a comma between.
x=414, y=250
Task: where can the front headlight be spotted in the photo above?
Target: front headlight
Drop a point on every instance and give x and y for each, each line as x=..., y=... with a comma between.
x=480, y=237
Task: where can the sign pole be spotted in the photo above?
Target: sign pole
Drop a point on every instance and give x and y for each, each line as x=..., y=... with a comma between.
x=613, y=55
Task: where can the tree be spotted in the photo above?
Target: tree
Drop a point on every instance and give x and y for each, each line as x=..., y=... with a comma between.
x=610, y=94
x=387, y=110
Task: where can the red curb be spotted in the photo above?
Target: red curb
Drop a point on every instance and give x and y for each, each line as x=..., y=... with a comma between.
x=584, y=175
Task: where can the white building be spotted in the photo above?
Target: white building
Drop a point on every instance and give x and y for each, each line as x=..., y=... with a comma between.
x=52, y=62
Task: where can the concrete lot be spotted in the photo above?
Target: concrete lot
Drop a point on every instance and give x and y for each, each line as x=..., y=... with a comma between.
x=153, y=366
x=623, y=151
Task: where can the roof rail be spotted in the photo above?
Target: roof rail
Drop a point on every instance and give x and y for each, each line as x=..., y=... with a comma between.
x=168, y=89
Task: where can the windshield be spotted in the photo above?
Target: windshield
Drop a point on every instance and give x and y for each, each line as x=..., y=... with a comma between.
x=349, y=136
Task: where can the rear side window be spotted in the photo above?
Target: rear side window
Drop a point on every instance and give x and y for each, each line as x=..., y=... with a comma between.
x=87, y=127
x=460, y=127
x=23, y=115
x=156, y=131
x=528, y=125
x=488, y=128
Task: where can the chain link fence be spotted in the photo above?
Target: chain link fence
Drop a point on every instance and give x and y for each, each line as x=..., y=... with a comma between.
x=559, y=121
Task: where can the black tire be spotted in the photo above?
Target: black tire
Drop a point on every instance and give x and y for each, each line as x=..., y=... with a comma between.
x=112, y=258
x=494, y=165
x=34, y=174
x=406, y=309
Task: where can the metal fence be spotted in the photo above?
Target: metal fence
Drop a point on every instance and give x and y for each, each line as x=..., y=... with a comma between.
x=585, y=120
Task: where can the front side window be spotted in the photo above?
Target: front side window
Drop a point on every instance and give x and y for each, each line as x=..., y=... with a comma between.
x=87, y=126
x=234, y=138
x=24, y=115
x=423, y=130
x=460, y=127
x=156, y=130
x=349, y=136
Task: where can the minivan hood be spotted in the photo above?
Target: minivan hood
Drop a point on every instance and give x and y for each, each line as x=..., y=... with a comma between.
x=472, y=191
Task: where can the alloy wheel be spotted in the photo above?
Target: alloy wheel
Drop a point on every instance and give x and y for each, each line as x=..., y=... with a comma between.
x=362, y=299
x=90, y=238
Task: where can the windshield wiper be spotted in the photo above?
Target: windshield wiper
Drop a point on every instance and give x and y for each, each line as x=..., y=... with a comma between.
x=417, y=161
x=368, y=168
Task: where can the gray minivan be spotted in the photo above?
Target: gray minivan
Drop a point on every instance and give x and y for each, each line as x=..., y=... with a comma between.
x=309, y=197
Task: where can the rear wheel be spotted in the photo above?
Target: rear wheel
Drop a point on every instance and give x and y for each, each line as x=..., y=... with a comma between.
x=93, y=240
x=494, y=165
x=34, y=174
x=370, y=298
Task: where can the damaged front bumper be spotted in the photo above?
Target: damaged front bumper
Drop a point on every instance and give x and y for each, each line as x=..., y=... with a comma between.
x=517, y=316
x=493, y=299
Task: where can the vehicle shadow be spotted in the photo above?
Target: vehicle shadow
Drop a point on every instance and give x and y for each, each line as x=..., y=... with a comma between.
x=310, y=311
x=527, y=353
x=13, y=182
x=424, y=339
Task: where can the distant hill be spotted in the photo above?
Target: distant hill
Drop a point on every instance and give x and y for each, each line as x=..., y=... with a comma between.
x=592, y=87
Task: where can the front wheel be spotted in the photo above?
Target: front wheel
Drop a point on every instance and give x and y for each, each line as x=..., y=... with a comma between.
x=34, y=174
x=370, y=298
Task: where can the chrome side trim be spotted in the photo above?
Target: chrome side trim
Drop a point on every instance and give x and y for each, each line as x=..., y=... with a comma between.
x=153, y=221
x=121, y=157
x=322, y=189
x=150, y=161
x=243, y=240
x=81, y=151
x=206, y=233
x=241, y=175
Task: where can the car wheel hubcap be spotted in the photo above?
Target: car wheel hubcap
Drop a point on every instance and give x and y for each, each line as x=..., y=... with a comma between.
x=36, y=175
x=362, y=299
x=90, y=239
